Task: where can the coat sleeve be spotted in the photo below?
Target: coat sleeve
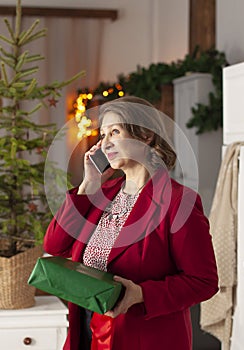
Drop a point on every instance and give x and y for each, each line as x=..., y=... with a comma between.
x=66, y=225
x=191, y=248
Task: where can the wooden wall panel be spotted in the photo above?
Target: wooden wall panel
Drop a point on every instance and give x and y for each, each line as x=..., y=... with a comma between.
x=61, y=12
x=202, y=24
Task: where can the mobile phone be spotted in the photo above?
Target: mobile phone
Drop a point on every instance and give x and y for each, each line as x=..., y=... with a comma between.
x=99, y=160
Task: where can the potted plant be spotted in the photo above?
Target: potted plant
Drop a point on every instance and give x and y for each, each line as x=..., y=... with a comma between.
x=24, y=212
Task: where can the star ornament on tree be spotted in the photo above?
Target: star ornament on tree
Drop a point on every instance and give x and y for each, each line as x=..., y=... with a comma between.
x=52, y=102
x=39, y=150
x=32, y=207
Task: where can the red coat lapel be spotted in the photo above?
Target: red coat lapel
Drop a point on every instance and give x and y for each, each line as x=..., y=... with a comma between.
x=146, y=215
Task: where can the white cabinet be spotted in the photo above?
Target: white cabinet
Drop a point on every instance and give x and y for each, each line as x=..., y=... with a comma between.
x=237, y=337
x=233, y=131
x=199, y=155
x=41, y=327
x=233, y=88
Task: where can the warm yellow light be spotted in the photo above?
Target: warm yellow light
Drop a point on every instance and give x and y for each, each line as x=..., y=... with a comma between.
x=94, y=133
x=77, y=117
x=79, y=100
x=83, y=122
x=80, y=135
x=83, y=126
x=121, y=93
x=81, y=108
x=105, y=93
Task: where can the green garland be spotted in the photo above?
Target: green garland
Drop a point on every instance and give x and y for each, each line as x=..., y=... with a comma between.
x=147, y=83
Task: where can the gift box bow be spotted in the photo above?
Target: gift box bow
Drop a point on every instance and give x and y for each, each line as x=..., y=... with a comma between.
x=85, y=286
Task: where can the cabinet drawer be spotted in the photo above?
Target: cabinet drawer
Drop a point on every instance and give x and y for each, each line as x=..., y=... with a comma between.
x=36, y=339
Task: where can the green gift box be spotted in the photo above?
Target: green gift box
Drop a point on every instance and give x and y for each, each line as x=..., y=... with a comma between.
x=90, y=288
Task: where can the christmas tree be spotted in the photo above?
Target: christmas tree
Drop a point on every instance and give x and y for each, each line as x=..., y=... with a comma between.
x=24, y=212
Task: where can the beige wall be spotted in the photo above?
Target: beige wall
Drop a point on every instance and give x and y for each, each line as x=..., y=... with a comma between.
x=147, y=31
x=230, y=29
x=155, y=30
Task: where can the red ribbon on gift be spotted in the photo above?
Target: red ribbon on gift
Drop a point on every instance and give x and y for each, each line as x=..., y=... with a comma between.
x=102, y=330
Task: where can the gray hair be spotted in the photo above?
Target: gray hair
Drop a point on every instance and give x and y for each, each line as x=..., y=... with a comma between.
x=140, y=118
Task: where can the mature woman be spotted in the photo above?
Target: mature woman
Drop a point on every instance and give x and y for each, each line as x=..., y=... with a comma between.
x=145, y=228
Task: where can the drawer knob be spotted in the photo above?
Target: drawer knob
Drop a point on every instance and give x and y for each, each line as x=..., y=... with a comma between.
x=27, y=341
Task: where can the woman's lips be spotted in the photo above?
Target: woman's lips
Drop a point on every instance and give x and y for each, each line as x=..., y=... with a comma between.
x=111, y=155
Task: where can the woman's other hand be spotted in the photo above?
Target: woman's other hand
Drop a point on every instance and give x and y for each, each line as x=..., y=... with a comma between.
x=133, y=295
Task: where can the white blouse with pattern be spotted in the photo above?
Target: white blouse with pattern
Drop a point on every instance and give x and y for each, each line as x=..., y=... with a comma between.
x=99, y=246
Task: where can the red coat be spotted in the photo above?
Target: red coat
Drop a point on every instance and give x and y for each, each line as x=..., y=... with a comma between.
x=171, y=258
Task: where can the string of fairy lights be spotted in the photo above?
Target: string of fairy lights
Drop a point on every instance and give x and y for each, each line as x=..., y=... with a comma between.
x=84, y=124
x=82, y=102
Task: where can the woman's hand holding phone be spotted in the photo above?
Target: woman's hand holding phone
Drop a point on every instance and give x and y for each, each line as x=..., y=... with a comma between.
x=93, y=178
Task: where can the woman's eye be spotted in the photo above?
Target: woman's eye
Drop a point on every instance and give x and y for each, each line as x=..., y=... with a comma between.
x=115, y=131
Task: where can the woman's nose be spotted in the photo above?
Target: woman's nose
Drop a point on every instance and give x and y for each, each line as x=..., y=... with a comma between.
x=106, y=143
